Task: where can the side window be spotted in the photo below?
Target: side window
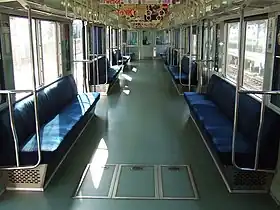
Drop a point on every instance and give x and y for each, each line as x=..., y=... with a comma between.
x=50, y=59
x=2, y=82
x=255, y=51
x=232, y=50
x=47, y=53
x=78, y=53
x=21, y=54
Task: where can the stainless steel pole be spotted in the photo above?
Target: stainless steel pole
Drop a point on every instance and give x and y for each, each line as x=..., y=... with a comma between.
x=95, y=74
x=12, y=123
x=240, y=66
x=34, y=88
x=190, y=60
x=208, y=64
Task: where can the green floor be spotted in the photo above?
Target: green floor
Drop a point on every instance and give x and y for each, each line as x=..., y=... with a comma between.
x=144, y=122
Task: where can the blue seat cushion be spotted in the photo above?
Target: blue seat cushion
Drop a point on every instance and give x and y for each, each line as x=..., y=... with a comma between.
x=173, y=68
x=126, y=57
x=53, y=133
x=117, y=68
x=214, y=112
x=174, y=71
x=193, y=98
x=222, y=138
x=210, y=116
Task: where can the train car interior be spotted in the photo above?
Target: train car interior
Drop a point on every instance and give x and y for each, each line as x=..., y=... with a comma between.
x=139, y=104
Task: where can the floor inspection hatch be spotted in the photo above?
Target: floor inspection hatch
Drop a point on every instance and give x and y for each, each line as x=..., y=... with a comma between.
x=136, y=182
x=97, y=182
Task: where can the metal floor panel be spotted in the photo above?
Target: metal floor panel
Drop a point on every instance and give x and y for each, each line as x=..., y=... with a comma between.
x=97, y=182
x=136, y=182
x=176, y=182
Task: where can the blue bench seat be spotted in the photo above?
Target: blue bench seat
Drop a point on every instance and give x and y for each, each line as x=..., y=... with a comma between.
x=104, y=77
x=213, y=112
x=62, y=114
x=184, y=75
x=119, y=59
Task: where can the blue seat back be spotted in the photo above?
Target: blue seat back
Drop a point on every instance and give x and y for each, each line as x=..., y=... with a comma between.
x=115, y=58
x=175, y=57
x=185, y=67
x=51, y=100
x=223, y=95
x=118, y=54
x=101, y=62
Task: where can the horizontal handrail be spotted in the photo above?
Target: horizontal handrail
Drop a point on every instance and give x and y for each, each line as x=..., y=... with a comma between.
x=205, y=61
x=98, y=54
x=83, y=61
x=273, y=92
x=15, y=91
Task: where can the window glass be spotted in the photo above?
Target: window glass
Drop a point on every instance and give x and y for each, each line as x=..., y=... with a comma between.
x=275, y=99
x=114, y=37
x=2, y=82
x=194, y=41
x=232, y=50
x=78, y=53
x=187, y=45
x=132, y=37
x=210, y=43
x=256, y=33
x=99, y=40
x=147, y=38
x=23, y=75
x=49, y=43
x=218, y=50
x=160, y=39
x=205, y=43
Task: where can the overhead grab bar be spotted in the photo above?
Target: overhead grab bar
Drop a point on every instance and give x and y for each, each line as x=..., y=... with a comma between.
x=236, y=108
x=34, y=91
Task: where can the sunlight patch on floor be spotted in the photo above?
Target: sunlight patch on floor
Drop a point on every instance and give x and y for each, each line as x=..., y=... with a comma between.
x=98, y=162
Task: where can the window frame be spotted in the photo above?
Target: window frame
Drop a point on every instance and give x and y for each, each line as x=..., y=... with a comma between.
x=276, y=19
x=38, y=47
x=58, y=61
x=242, y=41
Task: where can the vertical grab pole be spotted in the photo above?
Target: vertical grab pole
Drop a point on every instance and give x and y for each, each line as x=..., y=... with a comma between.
x=12, y=123
x=34, y=88
x=95, y=75
x=208, y=64
x=180, y=54
x=169, y=50
x=86, y=56
x=103, y=43
x=197, y=55
x=97, y=53
x=240, y=69
x=120, y=43
x=260, y=132
x=171, y=47
x=190, y=60
x=201, y=55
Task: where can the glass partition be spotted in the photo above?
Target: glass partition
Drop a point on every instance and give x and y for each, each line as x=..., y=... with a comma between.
x=132, y=38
